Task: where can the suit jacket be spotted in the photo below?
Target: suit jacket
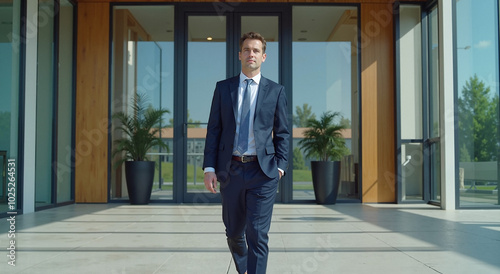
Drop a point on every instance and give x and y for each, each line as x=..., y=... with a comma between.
x=270, y=127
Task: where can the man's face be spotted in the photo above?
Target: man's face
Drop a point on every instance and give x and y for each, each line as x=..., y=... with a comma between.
x=251, y=55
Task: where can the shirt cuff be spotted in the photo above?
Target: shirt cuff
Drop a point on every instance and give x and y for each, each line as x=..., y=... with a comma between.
x=209, y=169
x=282, y=171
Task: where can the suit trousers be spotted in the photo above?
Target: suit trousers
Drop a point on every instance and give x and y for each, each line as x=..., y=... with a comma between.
x=248, y=197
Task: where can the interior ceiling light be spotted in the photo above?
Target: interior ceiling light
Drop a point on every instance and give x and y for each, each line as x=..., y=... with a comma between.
x=209, y=38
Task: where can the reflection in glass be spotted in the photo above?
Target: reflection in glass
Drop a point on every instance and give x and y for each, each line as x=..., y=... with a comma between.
x=325, y=79
x=206, y=64
x=148, y=74
x=9, y=91
x=478, y=90
x=143, y=56
x=268, y=27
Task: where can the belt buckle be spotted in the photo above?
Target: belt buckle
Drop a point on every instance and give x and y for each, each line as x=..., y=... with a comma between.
x=243, y=159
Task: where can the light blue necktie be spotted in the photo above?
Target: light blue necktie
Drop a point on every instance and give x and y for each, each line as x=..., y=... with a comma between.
x=244, y=120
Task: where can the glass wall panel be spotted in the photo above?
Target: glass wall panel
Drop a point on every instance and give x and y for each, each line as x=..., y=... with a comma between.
x=435, y=165
x=411, y=106
x=206, y=34
x=10, y=20
x=325, y=76
x=433, y=64
x=477, y=84
x=433, y=107
x=65, y=102
x=143, y=61
x=412, y=162
x=410, y=58
x=44, y=104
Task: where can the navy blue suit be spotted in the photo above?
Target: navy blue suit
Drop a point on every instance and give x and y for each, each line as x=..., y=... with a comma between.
x=248, y=189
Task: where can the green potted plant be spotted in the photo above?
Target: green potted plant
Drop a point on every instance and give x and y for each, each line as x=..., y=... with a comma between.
x=323, y=141
x=140, y=128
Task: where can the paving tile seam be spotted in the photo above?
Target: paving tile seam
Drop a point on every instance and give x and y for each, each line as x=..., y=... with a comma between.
x=165, y=262
x=407, y=254
x=125, y=249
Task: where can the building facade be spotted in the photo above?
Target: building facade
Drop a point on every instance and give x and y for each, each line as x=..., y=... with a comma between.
x=416, y=83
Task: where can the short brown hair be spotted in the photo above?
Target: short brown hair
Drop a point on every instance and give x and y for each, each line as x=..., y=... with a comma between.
x=253, y=35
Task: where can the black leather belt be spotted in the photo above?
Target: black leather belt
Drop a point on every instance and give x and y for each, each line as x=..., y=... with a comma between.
x=245, y=158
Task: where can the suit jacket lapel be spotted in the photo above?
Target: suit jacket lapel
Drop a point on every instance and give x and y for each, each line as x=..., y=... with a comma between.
x=261, y=94
x=233, y=89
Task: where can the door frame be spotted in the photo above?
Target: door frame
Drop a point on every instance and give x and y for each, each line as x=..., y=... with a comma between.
x=233, y=13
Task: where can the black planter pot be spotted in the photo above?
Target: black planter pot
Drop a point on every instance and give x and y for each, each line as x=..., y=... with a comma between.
x=139, y=175
x=325, y=178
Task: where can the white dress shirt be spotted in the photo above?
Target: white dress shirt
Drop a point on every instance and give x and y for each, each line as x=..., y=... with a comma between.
x=253, y=88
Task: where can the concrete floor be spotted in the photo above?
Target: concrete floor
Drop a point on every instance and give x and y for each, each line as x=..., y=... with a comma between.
x=304, y=238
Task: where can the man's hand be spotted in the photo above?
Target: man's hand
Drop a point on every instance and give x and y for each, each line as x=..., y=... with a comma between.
x=210, y=181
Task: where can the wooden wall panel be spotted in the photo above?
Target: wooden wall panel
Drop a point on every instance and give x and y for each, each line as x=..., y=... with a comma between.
x=377, y=104
x=91, y=143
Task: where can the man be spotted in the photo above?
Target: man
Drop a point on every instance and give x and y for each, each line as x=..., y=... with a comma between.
x=246, y=150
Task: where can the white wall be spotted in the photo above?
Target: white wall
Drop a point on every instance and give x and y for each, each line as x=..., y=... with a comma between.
x=446, y=49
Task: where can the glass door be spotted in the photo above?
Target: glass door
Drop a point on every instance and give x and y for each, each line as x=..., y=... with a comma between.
x=206, y=64
x=410, y=106
x=419, y=158
x=211, y=55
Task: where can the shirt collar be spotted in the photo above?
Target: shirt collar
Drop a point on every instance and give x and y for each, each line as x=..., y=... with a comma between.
x=256, y=78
